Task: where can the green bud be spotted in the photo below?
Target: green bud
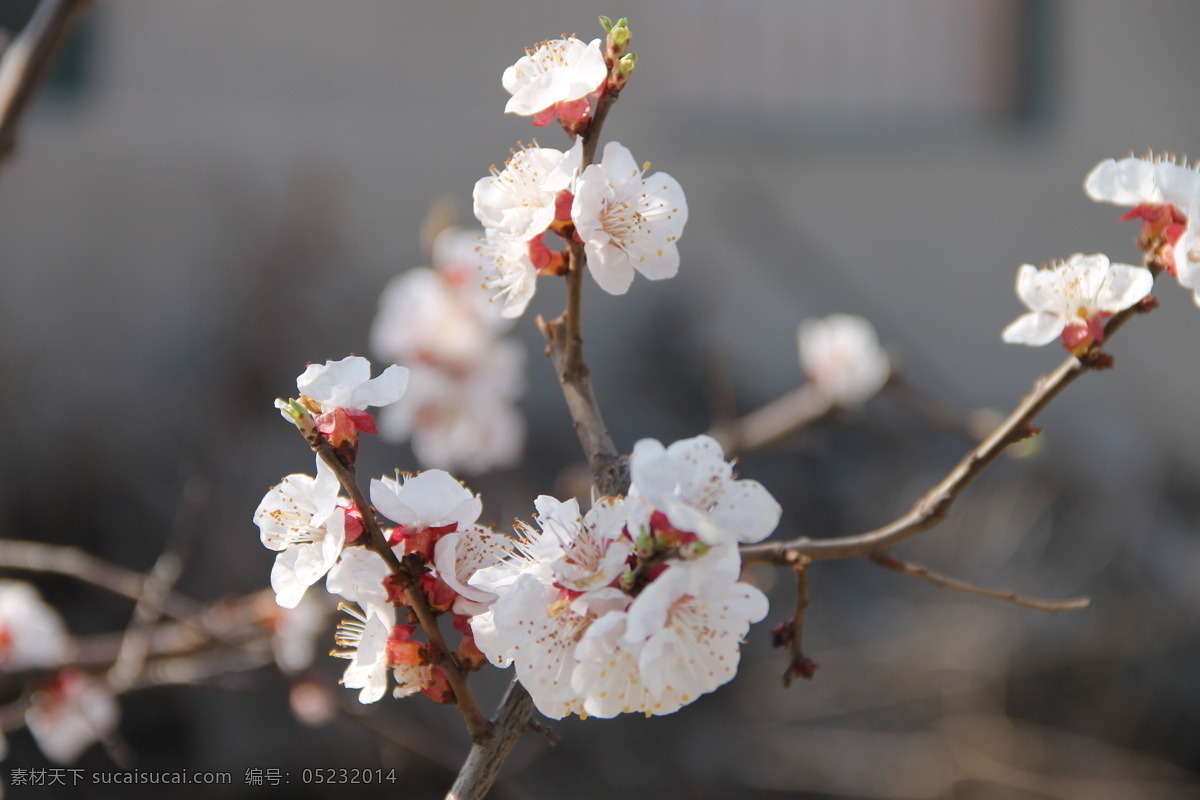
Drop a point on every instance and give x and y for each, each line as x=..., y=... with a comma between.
x=626, y=64
x=618, y=39
x=623, y=22
x=645, y=544
x=607, y=24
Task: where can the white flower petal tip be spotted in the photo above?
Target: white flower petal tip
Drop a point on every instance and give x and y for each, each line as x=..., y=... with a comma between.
x=1143, y=180
x=556, y=71
x=348, y=384
x=841, y=355
x=629, y=222
x=1073, y=299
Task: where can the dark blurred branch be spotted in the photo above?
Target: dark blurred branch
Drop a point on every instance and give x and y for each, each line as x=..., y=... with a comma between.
x=773, y=422
x=75, y=563
x=946, y=582
x=25, y=62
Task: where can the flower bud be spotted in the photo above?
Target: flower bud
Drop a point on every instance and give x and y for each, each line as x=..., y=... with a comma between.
x=618, y=39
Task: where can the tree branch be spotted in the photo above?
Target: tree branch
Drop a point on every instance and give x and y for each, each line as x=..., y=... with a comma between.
x=512, y=721
x=944, y=581
x=932, y=509
x=25, y=61
x=778, y=419
x=443, y=657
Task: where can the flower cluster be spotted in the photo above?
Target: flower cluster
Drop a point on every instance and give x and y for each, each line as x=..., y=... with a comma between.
x=319, y=534
x=627, y=221
x=1074, y=299
x=635, y=605
x=465, y=376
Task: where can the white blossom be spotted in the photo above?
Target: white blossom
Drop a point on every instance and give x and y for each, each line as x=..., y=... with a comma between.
x=32, y=634
x=365, y=637
x=358, y=577
x=1073, y=298
x=627, y=220
x=520, y=201
x=300, y=519
x=509, y=272
x=841, y=355
x=348, y=384
x=69, y=715
x=680, y=638
x=1137, y=180
x=693, y=485
x=459, y=555
x=554, y=72
x=430, y=499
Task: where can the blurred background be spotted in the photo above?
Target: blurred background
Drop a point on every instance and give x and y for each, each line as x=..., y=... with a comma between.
x=206, y=196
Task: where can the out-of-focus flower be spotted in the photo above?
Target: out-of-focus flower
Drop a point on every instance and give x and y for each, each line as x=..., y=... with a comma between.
x=459, y=409
x=294, y=634
x=627, y=220
x=555, y=78
x=692, y=485
x=1073, y=299
x=69, y=714
x=465, y=421
x=31, y=632
x=841, y=355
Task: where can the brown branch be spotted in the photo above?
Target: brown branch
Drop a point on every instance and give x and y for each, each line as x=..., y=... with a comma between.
x=932, y=509
x=75, y=563
x=610, y=471
x=946, y=582
x=25, y=62
x=778, y=419
x=512, y=721
x=440, y=653
x=792, y=633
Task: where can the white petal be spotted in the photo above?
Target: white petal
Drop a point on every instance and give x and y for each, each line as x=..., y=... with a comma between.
x=1127, y=182
x=1124, y=285
x=1034, y=329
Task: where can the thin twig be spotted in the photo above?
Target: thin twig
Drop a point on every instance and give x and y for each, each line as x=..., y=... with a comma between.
x=798, y=666
x=25, y=61
x=441, y=654
x=932, y=509
x=75, y=563
x=773, y=422
x=946, y=582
